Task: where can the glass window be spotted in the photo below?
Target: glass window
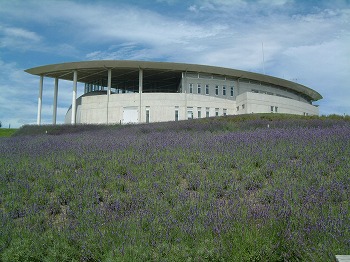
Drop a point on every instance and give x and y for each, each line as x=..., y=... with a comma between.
x=199, y=87
x=199, y=112
x=189, y=113
x=176, y=114
x=243, y=106
x=276, y=109
x=217, y=90
x=231, y=90
x=191, y=88
x=224, y=90
x=207, y=89
x=147, y=114
x=216, y=111
x=271, y=109
x=207, y=112
x=237, y=108
x=225, y=111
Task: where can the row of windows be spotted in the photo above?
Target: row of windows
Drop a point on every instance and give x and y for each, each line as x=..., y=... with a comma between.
x=268, y=93
x=243, y=106
x=199, y=89
x=208, y=76
x=190, y=112
x=274, y=109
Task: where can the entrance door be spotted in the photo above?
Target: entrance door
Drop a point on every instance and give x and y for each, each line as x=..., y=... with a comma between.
x=130, y=115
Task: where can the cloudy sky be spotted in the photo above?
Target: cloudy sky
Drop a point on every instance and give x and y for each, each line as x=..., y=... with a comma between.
x=306, y=41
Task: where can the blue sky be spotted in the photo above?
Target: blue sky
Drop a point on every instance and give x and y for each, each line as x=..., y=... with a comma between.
x=304, y=41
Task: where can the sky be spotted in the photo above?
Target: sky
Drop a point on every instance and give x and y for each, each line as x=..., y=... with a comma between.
x=305, y=41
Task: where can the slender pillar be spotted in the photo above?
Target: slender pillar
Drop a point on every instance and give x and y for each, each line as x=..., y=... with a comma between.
x=109, y=85
x=54, y=115
x=74, y=96
x=140, y=90
x=40, y=98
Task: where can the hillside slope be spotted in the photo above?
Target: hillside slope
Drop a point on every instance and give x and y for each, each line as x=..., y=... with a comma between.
x=248, y=188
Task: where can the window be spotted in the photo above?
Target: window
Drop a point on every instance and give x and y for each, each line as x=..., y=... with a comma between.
x=189, y=112
x=199, y=88
x=225, y=112
x=276, y=109
x=199, y=111
x=224, y=90
x=216, y=111
x=243, y=106
x=176, y=113
x=237, y=108
x=207, y=89
x=147, y=114
x=271, y=109
x=191, y=88
x=231, y=90
x=207, y=112
x=216, y=90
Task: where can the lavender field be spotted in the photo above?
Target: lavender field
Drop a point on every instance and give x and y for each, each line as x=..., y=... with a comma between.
x=227, y=189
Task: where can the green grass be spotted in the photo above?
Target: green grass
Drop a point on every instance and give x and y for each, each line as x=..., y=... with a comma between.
x=7, y=132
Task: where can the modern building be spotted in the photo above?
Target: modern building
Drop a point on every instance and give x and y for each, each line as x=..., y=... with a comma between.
x=141, y=92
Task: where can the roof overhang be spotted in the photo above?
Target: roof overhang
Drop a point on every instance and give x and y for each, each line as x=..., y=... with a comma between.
x=89, y=71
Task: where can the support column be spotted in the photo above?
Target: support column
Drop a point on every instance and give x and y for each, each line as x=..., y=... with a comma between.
x=74, y=97
x=40, y=98
x=109, y=82
x=109, y=85
x=54, y=115
x=140, y=90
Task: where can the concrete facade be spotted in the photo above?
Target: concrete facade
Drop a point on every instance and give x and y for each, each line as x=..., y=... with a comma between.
x=138, y=92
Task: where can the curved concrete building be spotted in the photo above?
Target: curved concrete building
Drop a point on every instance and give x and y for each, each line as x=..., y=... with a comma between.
x=141, y=92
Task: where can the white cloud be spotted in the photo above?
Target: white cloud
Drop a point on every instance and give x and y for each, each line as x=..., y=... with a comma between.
x=14, y=37
x=309, y=46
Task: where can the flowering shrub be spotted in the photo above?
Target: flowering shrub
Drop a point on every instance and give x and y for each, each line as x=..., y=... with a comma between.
x=264, y=189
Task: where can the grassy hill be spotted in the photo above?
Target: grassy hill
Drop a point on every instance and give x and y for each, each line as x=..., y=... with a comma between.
x=7, y=132
x=241, y=188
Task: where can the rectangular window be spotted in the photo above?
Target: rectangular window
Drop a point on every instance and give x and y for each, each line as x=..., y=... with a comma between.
x=191, y=88
x=271, y=109
x=216, y=111
x=243, y=106
x=199, y=87
x=189, y=112
x=207, y=89
x=207, y=112
x=224, y=90
x=225, y=112
x=276, y=109
x=232, y=91
x=147, y=114
x=199, y=112
x=176, y=113
x=237, y=108
x=216, y=90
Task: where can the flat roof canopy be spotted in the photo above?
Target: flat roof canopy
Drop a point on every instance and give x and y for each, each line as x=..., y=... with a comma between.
x=122, y=70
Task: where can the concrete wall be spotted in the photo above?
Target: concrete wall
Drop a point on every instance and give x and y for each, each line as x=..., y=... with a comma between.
x=161, y=106
x=248, y=87
x=93, y=109
x=261, y=103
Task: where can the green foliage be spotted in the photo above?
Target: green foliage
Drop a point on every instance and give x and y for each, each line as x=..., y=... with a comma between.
x=7, y=132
